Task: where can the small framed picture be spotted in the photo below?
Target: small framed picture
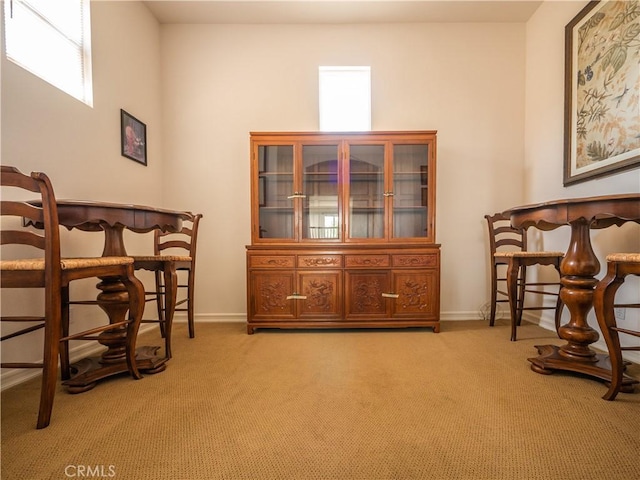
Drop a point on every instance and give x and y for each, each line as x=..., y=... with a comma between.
x=133, y=135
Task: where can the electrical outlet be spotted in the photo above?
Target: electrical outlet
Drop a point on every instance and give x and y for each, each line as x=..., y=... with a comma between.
x=619, y=313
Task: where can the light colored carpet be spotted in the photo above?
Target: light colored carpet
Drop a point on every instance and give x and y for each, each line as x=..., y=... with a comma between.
x=357, y=404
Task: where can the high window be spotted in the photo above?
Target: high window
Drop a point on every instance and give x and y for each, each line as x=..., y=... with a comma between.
x=345, y=99
x=52, y=39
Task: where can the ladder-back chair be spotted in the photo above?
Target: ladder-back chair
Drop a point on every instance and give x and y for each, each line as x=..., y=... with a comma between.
x=173, y=252
x=509, y=260
x=619, y=266
x=44, y=269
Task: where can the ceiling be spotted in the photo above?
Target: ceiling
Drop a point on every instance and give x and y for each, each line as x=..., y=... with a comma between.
x=340, y=11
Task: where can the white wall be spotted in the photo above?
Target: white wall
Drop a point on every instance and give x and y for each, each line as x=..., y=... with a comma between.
x=79, y=146
x=222, y=81
x=44, y=129
x=544, y=137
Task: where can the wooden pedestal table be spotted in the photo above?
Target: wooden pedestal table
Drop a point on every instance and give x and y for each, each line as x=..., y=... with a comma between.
x=578, y=270
x=113, y=219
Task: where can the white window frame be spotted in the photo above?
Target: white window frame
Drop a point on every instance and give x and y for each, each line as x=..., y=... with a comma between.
x=32, y=33
x=344, y=94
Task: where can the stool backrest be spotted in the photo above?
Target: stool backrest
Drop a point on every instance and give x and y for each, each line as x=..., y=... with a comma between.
x=502, y=236
x=42, y=212
x=186, y=238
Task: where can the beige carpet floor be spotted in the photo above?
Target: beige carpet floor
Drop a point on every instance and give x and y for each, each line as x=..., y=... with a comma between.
x=357, y=404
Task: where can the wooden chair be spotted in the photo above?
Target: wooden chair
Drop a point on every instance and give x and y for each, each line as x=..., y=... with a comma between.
x=165, y=266
x=509, y=261
x=619, y=266
x=48, y=271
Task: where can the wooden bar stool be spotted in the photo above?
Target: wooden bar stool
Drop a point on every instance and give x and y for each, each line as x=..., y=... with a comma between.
x=508, y=249
x=166, y=263
x=44, y=269
x=619, y=266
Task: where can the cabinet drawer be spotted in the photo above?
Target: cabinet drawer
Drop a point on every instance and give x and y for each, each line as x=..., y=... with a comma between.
x=366, y=261
x=269, y=261
x=416, y=260
x=319, y=261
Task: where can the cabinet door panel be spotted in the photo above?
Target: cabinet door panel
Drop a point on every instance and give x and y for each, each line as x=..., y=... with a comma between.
x=275, y=190
x=417, y=293
x=364, y=295
x=322, y=292
x=269, y=292
x=320, y=213
x=410, y=188
x=366, y=191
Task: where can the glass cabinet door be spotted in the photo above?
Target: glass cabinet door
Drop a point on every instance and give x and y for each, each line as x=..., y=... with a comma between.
x=410, y=191
x=366, y=192
x=320, y=205
x=275, y=191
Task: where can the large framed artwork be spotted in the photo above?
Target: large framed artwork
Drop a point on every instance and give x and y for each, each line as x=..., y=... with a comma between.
x=602, y=91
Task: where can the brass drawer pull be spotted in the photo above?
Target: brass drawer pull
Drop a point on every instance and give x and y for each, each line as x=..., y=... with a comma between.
x=296, y=296
x=391, y=295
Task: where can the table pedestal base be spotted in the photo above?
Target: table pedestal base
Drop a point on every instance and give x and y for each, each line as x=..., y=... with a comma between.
x=550, y=359
x=88, y=371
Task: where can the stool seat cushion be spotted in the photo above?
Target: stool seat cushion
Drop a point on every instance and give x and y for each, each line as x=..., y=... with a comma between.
x=161, y=258
x=528, y=254
x=65, y=263
x=623, y=257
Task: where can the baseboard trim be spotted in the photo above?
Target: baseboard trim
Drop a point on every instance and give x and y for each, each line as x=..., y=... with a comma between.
x=242, y=317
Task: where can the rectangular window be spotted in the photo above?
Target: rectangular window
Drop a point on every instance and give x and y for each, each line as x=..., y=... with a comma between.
x=52, y=39
x=345, y=99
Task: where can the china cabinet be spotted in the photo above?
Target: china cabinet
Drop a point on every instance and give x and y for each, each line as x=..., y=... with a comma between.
x=343, y=231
